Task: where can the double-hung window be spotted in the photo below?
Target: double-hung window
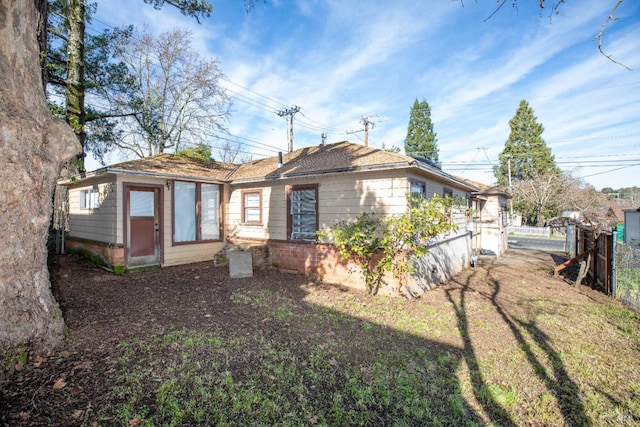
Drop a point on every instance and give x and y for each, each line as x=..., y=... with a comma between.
x=302, y=203
x=196, y=208
x=252, y=207
x=418, y=188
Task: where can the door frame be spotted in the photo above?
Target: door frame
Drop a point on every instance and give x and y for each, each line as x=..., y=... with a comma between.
x=158, y=191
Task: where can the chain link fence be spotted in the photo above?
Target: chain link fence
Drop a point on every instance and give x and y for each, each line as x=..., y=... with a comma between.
x=627, y=275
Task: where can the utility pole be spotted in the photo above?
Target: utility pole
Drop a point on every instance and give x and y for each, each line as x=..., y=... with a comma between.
x=511, y=200
x=289, y=112
x=365, y=121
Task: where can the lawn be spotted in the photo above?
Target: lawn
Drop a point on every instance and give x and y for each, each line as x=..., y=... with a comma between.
x=504, y=343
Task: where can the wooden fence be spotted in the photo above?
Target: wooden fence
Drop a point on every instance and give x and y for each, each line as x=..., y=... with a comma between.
x=598, y=245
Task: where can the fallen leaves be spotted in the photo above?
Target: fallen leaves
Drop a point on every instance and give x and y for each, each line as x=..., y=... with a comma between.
x=59, y=384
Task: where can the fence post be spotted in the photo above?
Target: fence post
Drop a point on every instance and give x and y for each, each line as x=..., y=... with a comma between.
x=614, y=268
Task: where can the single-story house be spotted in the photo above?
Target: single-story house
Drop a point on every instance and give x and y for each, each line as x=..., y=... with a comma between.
x=162, y=210
x=167, y=209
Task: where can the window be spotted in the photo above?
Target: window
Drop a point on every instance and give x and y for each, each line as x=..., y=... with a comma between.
x=447, y=192
x=302, y=221
x=417, y=188
x=89, y=198
x=252, y=207
x=196, y=209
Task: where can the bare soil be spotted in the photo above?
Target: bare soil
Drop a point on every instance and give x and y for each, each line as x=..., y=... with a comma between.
x=102, y=310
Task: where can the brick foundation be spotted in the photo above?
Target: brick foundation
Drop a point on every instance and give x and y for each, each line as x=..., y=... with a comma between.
x=112, y=254
x=315, y=260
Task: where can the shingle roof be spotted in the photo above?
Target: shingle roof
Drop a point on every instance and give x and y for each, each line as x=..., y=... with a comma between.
x=176, y=166
x=327, y=158
x=340, y=156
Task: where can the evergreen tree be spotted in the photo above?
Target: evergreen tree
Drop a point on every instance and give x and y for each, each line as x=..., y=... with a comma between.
x=525, y=154
x=421, y=139
x=81, y=65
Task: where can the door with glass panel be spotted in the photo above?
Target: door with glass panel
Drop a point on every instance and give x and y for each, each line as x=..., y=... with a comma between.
x=142, y=225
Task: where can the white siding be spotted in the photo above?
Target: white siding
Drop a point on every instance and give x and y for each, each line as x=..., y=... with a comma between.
x=632, y=229
x=94, y=224
x=341, y=196
x=105, y=224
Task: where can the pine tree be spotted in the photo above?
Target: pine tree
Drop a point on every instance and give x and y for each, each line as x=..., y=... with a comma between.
x=421, y=139
x=525, y=154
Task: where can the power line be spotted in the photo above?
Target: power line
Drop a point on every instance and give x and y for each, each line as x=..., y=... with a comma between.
x=289, y=112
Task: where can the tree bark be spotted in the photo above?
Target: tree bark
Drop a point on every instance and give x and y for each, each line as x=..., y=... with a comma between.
x=76, y=114
x=33, y=147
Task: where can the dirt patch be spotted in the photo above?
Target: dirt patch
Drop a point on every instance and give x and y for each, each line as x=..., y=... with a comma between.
x=103, y=310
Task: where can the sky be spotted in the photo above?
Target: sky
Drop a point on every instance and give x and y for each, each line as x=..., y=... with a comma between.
x=342, y=61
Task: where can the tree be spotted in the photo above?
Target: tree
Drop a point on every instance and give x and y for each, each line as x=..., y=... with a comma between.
x=555, y=9
x=525, y=154
x=198, y=151
x=231, y=152
x=583, y=197
x=33, y=146
x=80, y=66
x=175, y=100
x=421, y=139
x=548, y=195
x=537, y=198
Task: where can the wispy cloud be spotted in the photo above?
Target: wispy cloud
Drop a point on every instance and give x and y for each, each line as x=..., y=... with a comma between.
x=343, y=59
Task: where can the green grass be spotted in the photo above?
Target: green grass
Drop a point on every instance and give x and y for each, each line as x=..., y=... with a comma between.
x=357, y=360
x=628, y=279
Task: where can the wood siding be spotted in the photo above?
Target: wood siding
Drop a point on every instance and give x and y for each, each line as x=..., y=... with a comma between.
x=97, y=224
x=340, y=196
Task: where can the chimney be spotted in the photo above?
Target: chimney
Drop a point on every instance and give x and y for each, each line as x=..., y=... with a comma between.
x=279, y=159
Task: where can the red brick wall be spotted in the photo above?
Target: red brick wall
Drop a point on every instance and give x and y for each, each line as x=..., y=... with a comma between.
x=316, y=260
x=114, y=255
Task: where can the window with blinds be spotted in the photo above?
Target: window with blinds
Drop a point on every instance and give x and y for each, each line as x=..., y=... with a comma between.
x=196, y=209
x=303, y=212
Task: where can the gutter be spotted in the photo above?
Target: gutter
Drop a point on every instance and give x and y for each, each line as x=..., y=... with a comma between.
x=442, y=174
x=106, y=170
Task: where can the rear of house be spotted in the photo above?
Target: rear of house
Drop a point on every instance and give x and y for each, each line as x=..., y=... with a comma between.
x=168, y=210
x=281, y=206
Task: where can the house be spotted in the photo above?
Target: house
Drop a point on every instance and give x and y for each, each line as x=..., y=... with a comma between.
x=162, y=210
x=168, y=210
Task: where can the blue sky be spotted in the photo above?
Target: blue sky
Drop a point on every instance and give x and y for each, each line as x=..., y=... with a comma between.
x=343, y=60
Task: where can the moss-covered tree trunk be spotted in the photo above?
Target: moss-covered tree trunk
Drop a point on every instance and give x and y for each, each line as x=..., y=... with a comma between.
x=76, y=114
x=33, y=147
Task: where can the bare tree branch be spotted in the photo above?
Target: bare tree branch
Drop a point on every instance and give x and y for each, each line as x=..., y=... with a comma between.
x=611, y=18
x=555, y=10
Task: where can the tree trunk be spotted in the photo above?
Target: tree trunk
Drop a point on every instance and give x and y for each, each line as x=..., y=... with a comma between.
x=76, y=114
x=33, y=147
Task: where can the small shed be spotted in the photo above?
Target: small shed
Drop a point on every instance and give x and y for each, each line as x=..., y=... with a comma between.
x=632, y=227
x=490, y=221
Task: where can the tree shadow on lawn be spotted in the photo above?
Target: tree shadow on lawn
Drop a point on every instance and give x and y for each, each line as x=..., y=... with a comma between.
x=189, y=346
x=528, y=336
